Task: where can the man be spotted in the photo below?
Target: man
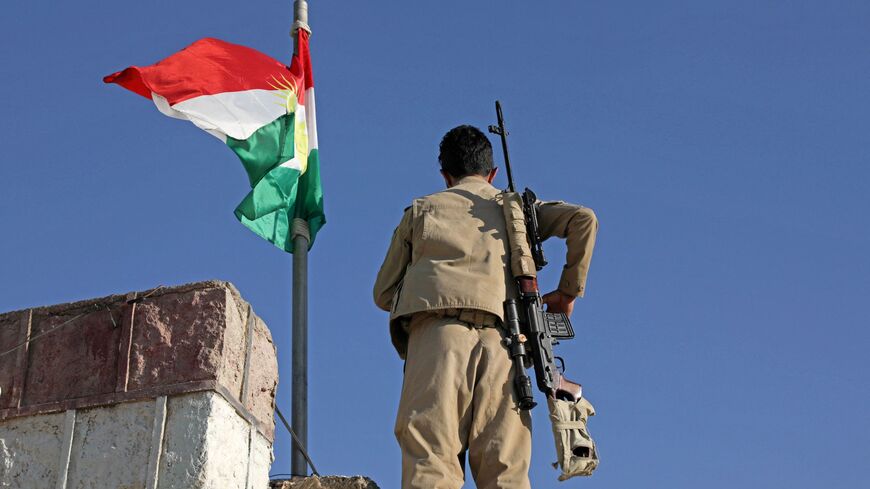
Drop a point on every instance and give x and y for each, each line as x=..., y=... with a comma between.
x=444, y=281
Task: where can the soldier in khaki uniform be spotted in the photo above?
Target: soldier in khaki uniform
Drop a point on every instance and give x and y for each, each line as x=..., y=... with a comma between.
x=444, y=281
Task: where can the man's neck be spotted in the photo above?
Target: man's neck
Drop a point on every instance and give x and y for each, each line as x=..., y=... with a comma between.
x=456, y=181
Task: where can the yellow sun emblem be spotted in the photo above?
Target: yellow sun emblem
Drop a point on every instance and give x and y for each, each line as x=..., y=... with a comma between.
x=288, y=92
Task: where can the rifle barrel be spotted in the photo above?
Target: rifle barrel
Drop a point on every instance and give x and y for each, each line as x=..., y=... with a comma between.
x=504, y=148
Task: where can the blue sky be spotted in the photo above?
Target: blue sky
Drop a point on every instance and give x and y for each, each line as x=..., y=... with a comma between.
x=723, y=145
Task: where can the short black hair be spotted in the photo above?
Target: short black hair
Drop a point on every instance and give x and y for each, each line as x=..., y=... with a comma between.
x=465, y=150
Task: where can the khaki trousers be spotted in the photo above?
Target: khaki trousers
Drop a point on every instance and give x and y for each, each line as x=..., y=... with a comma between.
x=458, y=397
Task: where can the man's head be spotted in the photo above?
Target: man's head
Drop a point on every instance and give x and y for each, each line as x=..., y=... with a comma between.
x=465, y=151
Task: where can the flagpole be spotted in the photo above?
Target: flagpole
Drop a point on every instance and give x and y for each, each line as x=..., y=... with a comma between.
x=301, y=239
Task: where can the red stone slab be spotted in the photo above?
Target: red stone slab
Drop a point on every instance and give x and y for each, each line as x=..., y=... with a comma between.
x=178, y=338
x=263, y=373
x=14, y=329
x=77, y=359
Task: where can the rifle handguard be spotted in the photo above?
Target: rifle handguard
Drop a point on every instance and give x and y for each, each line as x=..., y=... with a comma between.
x=521, y=258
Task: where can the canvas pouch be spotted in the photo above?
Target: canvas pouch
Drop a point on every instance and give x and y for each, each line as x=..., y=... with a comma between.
x=576, y=451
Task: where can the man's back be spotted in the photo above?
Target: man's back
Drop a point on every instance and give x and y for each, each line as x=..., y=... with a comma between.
x=458, y=253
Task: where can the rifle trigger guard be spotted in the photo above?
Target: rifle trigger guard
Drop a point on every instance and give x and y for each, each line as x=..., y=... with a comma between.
x=561, y=366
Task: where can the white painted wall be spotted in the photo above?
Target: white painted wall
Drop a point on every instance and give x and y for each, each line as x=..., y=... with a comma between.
x=202, y=443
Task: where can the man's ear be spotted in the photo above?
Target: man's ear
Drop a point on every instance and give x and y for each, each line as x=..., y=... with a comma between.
x=491, y=176
x=448, y=179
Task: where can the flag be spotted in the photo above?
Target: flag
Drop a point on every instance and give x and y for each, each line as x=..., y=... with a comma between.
x=262, y=109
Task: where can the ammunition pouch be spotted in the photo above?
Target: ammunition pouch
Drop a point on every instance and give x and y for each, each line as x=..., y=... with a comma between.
x=576, y=451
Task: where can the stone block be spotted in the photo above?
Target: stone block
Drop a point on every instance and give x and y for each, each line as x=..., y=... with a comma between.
x=327, y=482
x=137, y=346
x=30, y=450
x=110, y=446
x=260, y=461
x=75, y=354
x=180, y=337
x=205, y=439
x=262, y=373
x=12, y=333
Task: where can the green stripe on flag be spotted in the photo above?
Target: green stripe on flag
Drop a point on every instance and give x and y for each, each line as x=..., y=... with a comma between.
x=267, y=148
x=309, y=203
x=278, y=194
x=268, y=209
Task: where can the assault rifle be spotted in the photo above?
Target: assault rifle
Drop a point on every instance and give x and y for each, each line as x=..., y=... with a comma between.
x=532, y=331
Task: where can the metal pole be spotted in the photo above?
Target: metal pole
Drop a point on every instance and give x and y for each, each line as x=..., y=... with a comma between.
x=300, y=21
x=301, y=239
x=299, y=414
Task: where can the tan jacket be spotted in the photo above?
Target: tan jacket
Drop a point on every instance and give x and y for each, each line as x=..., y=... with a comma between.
x=450, y=250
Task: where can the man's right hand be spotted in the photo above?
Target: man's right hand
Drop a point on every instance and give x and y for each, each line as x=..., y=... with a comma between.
x=557, y=301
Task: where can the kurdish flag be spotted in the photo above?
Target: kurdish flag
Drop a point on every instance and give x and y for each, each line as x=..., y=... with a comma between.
x=262, y=109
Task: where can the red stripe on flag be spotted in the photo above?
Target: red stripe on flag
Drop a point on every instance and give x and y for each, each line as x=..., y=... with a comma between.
x=210, y=66
x=305, y=59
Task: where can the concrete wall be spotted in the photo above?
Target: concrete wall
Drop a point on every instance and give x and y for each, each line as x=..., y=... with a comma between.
x=170, y=388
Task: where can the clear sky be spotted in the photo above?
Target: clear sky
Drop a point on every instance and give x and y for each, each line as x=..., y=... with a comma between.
x=723, y=145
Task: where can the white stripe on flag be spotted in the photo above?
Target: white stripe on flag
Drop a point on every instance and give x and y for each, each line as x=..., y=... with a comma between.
x=164, y=107
x=295, y=164
x=311, y=119
x=236, y=114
